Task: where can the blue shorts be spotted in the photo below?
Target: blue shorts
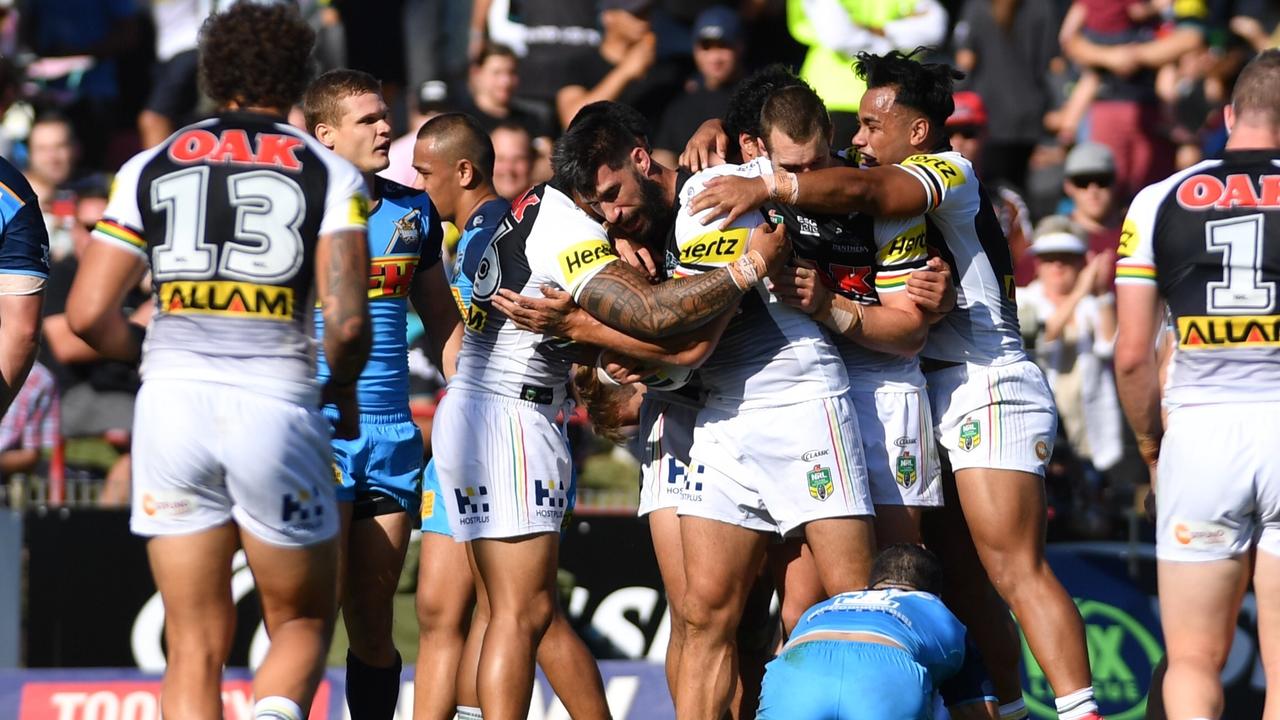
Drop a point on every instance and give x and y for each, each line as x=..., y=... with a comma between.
x=385, y=460
x=434, y=516
x=845, y=680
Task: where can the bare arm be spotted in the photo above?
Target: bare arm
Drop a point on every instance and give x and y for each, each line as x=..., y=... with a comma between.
x=1138, y=309
x=558, y=315
x=622, y=298
x=105, y=276
x=18, y=460
x=434, y=302
x=19, y=340
x=342, y=269
x=885, y=191
x=638, y=60
x=896, y=326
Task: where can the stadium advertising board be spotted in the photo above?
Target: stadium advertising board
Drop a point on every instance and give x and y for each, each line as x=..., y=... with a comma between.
x=91, y=603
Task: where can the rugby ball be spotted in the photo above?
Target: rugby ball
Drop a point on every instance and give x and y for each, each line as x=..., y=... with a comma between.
x=668, y=377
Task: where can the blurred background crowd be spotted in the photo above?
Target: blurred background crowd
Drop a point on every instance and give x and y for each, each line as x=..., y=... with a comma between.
x=1068, y=109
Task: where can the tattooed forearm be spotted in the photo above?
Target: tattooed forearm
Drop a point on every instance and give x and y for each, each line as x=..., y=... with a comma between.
x=620, y=297
x=343, y=277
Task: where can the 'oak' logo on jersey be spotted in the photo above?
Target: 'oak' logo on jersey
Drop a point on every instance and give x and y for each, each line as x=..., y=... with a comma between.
x=715, y=247
x=583, y=257
x=232, y=147
x=1213, y=332
x=391, y=277
x=228, y=298
x=1202, y=192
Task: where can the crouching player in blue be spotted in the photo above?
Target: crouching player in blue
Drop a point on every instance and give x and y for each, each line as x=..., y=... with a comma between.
x=880, y=653
x=380, y=472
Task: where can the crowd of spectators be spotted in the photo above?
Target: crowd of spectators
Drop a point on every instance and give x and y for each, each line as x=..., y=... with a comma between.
x=1068, y=109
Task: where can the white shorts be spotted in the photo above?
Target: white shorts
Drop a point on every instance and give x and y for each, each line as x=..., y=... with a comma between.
x=897, y=440
x=666, y=431
x=775, y=469
x=1218, y=482
x=205, y=453
x=1001, y=417
x=503, y=464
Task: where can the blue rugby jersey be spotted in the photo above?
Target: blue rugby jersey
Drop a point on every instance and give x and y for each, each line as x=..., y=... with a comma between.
x=404, y=236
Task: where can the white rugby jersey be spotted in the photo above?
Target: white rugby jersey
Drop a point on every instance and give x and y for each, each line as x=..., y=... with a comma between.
x=771, y=354
x=1208, y=238
x=543, y=239
x=227, y=212
x=963, y=227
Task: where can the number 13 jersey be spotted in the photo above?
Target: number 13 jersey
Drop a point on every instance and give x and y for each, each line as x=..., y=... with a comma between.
x=227, y=213
x=1209, y=239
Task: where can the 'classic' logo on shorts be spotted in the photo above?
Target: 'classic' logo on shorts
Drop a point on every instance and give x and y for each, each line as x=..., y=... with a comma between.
x=1197, y=535
x=905, y=472
x=820, y=485
x=814, y=454
x=167, y=505
x=970, y=434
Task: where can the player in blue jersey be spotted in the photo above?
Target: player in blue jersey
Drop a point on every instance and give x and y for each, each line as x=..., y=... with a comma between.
x=380, y=472
x=454, y=157
x=880, y=653
x=24, y=268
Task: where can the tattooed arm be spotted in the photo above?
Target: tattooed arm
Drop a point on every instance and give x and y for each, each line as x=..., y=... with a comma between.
x=342, y=271
x=622, y=298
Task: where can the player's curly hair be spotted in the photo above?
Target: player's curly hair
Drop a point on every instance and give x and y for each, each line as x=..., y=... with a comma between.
x=743, y=113
x=256, y=55
x=606, y=405
x=602, y=133
x=925, y=87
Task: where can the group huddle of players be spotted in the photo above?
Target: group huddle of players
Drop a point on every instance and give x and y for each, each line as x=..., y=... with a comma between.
x=828, y=344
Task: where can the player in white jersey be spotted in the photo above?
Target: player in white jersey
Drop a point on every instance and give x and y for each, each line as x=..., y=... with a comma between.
x=993, y=411
x=501, y=460
x=240, y=218
x=775, y=446
x=1205, y=242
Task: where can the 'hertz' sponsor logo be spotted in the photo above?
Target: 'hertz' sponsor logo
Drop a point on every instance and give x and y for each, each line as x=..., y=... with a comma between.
x=1207, y=332
x=944, y=168
x=715, y=248
x=227, y=298
x=391, y=277
x=908, y=246
x=1206, y=192
x=583, y=257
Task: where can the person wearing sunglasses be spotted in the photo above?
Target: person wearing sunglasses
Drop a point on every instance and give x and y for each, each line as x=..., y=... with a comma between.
x=1089, y=183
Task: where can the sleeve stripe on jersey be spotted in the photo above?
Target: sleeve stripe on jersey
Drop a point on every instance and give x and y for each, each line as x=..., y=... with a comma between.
x=8, y=192
x=890, y=280
x=932, y=185
x=1135, y=273
x=116, y=231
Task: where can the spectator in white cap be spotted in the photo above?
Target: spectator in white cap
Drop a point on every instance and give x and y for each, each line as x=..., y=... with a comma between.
x=1090, y=178
x=1068, y=315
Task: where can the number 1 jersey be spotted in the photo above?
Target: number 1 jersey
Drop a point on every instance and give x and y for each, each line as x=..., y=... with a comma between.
x=227, y=213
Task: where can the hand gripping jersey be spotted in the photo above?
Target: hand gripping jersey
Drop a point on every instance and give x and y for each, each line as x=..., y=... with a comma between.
x=964, y=229
x=544, y=239
x=404, y=236
x=860, y=257
x=917, y=621
x=227, y=212
x=1209, y=239
x=771, y=354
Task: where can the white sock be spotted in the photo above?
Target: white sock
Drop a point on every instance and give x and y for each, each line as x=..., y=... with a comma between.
x=1016, y=710
x=1076, y=705
x=277, y=707
x=466, y=712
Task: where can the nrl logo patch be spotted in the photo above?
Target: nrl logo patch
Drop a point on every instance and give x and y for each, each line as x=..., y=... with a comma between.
x=970, y=434
x=905, y=471
x=821, y=486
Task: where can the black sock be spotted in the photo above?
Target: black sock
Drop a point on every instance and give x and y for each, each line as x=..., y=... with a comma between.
x=372, y=692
